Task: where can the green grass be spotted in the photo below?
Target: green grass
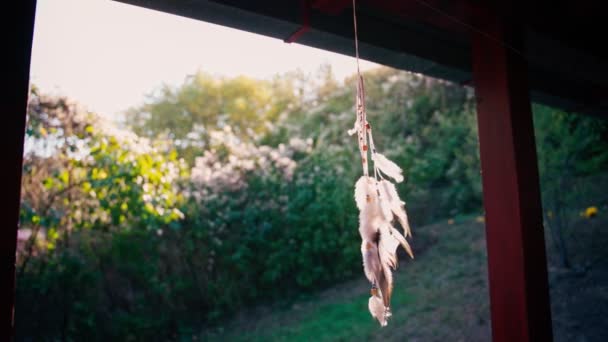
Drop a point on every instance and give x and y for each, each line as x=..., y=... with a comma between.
x=440, y=296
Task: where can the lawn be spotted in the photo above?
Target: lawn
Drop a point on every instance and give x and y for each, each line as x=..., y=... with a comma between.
x=440, y=295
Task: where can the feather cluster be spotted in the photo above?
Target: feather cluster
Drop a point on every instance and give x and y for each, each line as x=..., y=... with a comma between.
x=379, y=206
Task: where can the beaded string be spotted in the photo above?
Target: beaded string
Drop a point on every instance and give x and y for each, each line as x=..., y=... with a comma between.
x=363, y=127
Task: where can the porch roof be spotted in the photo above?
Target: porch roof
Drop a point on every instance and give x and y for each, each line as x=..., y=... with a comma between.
x=567, y=64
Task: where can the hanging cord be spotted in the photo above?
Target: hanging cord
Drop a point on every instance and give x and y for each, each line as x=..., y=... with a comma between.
x=356, y=36
x=367, y=147
x=361, y=115
x=364, y=130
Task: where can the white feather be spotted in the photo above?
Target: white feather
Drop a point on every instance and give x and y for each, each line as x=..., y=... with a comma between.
x=402, y=241
x=397, y=206
x=387, y=167
x=387, y=246
x=355, y=128
x=377, y=309
x=371, y=261
x=386, y=286
x=370, y=216
x=379, y=203
x=361, y=191
x=385, y=203
x=387, y=250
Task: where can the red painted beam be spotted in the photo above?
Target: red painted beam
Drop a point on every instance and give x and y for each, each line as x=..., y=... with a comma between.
x=18, y=49
x=305, y=15
x=517, y=265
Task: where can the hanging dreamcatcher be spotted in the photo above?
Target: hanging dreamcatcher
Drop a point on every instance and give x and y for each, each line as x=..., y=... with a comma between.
x=379, y=206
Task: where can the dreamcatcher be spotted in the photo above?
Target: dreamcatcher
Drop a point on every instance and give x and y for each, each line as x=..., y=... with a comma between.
x=379, y=206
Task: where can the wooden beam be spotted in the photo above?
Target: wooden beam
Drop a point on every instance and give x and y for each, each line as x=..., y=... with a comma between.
x=332, y=7
x=17, y=49
x=519, y=293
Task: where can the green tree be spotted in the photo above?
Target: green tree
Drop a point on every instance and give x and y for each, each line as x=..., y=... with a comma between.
x=571, y=147
x=87, y=189
x=204, y=103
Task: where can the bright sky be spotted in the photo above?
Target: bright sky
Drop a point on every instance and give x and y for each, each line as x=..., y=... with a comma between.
x=107, y=55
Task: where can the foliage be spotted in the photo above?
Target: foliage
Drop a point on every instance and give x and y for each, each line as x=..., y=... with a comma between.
x=442, y=296
x=89, y=197
x=231, y=192
x=265, y=212
x=426, y=126
x=277, y=233
x=187, y=114
x=572, y=152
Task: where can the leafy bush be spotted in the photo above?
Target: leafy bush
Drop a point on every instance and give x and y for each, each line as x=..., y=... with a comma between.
x=94, y=201
x=240, y=202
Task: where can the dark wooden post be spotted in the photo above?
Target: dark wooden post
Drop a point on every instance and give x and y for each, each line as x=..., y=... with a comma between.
x=18, y=48
x=519, y=293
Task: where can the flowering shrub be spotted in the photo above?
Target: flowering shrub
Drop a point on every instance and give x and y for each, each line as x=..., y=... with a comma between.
x=118, y=238
x=267, y=221
x=228, y=162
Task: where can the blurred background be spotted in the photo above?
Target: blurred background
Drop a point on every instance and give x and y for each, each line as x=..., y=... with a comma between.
x=185, y=181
